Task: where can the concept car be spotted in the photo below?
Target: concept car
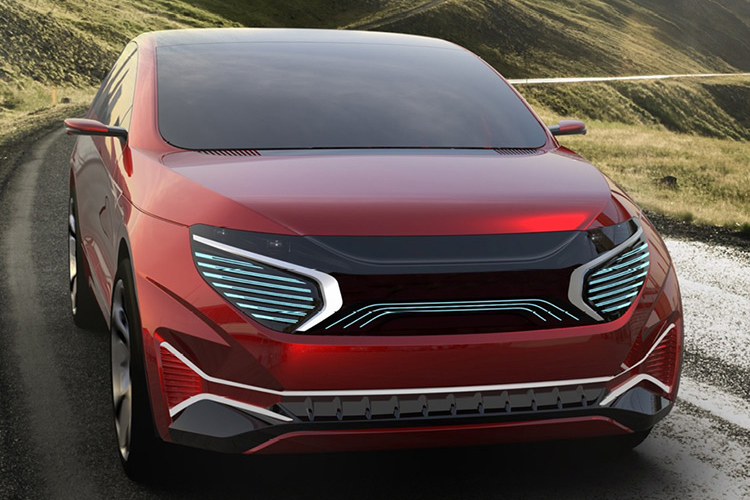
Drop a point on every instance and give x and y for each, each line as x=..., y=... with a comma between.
x=308, y=241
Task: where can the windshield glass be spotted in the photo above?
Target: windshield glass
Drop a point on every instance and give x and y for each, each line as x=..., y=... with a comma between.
x=276, y=95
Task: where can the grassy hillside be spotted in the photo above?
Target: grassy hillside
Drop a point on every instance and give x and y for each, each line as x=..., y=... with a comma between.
x=594, y=37
x=717, y=107
x=640, y=130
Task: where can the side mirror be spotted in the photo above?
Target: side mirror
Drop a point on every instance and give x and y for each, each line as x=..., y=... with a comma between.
x=84, y=126
x=568, y=127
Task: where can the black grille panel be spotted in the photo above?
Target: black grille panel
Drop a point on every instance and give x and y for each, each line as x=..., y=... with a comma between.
x=542, y=310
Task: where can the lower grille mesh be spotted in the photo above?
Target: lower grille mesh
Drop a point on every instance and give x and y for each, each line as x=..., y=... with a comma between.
x=440, y=405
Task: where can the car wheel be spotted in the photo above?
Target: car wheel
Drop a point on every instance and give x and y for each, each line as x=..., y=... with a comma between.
x=83, y=306
x=137, y=442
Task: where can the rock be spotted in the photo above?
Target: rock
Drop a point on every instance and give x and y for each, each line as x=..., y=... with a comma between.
x=668, y=181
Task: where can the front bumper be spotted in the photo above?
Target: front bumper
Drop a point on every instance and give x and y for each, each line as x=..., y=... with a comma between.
x=216, y=426
x=266, y=388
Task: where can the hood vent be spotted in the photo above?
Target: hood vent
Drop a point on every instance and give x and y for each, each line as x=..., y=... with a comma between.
x=517, y=151
x=230, y=152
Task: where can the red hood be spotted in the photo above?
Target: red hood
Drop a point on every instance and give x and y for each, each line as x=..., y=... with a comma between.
x=377, y=195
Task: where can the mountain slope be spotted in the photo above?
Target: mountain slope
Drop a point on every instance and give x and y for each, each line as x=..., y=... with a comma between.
x=594, y=37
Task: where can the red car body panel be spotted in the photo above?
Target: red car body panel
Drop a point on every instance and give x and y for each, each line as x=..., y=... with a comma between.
x=391, y=195
x=153, y=192
x=465, y=435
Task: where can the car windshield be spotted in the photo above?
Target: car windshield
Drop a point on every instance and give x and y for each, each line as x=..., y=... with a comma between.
x=276, y=95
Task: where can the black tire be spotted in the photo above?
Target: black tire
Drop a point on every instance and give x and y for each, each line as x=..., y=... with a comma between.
x=139, y=446
x=83, y=306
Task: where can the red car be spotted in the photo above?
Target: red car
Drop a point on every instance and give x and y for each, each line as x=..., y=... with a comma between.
x=309, y=241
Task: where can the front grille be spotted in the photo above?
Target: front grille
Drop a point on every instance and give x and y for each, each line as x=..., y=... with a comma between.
x=275, y=297
x=612, y=287
x=542, y=310
x=414, y=406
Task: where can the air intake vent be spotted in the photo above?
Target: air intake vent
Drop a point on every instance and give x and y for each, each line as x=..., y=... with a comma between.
x=441, y=406
x=180, y=382
x=606, y=287
x=516, y=151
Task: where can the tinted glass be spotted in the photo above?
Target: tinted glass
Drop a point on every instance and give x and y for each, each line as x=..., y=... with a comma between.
x=268, y=95
x=114, y=101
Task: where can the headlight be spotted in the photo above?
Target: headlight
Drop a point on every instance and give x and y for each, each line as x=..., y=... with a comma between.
x=280, y=295
x=607, y=286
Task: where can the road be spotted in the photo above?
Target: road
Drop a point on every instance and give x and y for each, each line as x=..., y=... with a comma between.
x=56, y=437
x=590, y=79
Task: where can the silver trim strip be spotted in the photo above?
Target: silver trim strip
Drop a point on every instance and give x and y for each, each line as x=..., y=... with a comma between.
x=329, y=287
x=259, y=412
x=575, y=289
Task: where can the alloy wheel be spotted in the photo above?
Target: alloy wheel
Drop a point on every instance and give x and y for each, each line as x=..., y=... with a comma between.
x=122, y=387
x=72, y=255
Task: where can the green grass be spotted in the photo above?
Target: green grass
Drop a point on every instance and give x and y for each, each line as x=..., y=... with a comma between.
x=716, y=107
x=536, y=38
x=713, y=175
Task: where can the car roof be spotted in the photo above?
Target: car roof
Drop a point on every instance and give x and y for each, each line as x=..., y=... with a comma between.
x=286, y=35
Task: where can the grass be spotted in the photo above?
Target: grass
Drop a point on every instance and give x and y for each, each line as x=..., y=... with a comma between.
x=536, y=38
x=714, y=107
x=713, y=175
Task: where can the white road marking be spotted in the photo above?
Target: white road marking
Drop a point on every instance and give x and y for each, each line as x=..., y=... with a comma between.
x=707, y=397
x=587, y=79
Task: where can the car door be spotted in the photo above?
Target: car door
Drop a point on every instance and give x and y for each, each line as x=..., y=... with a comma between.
x=98, y=161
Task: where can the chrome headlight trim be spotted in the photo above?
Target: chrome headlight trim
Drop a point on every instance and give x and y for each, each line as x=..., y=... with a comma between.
x=329, y=287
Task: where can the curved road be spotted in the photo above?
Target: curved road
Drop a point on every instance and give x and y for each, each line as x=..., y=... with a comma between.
x=56, y=439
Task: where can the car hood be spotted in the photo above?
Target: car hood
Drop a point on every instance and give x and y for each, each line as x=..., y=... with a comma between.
x=423, y=193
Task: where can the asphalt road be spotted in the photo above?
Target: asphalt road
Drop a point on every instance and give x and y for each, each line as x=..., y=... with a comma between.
x=57, y=441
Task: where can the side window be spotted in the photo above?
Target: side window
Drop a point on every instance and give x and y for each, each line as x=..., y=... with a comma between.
x=114, y=101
